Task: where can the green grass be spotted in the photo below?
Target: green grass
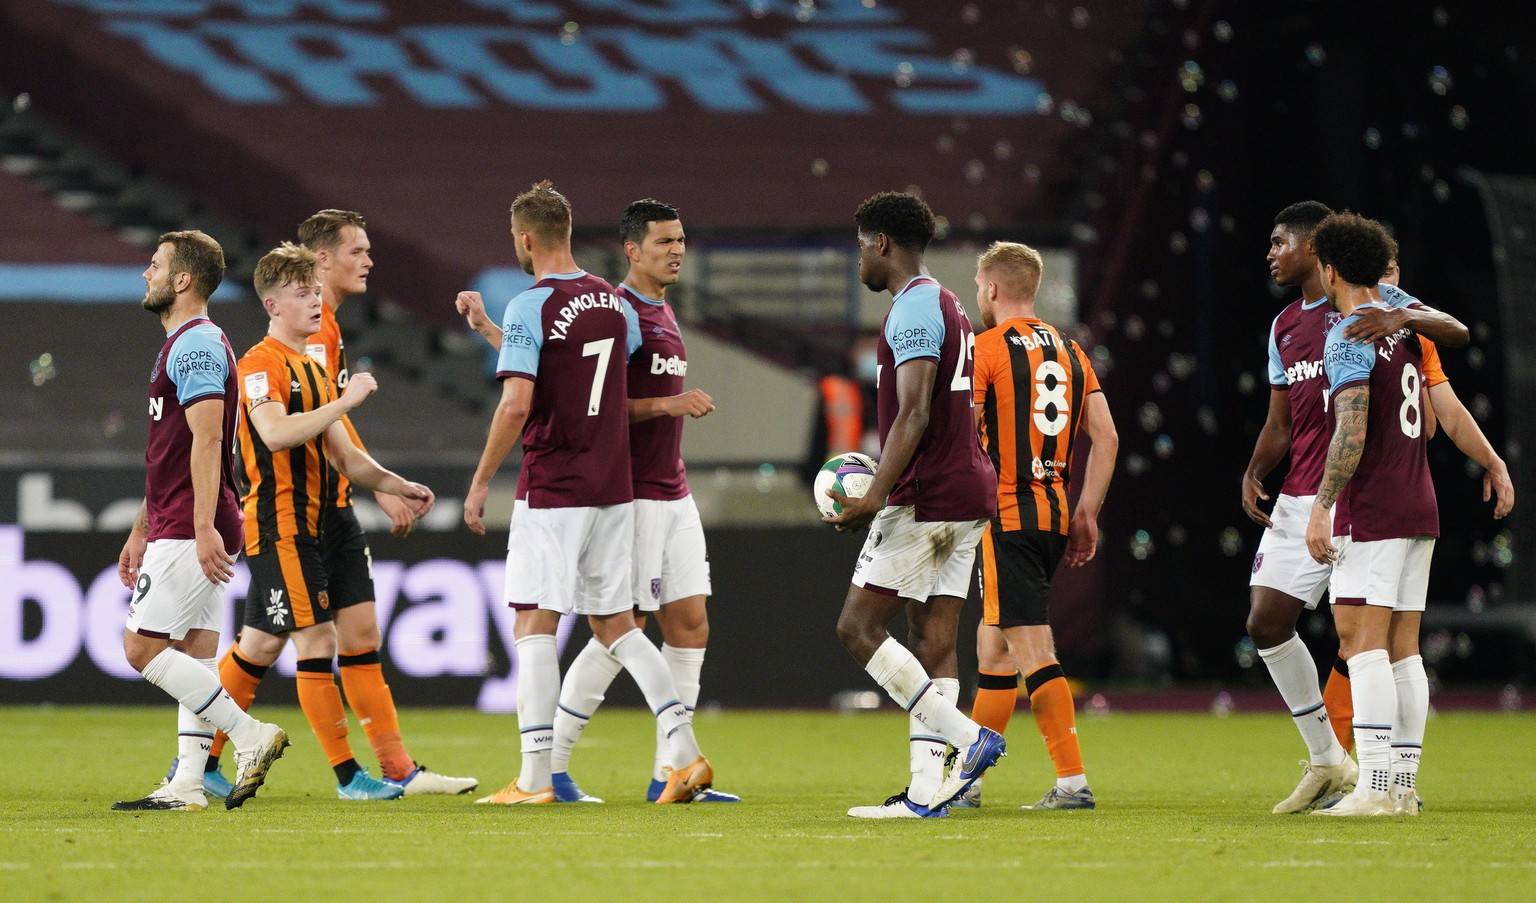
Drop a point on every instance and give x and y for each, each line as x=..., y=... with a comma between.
x=1184, y=814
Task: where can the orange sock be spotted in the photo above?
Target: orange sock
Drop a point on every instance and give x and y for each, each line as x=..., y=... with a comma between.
x=1051, y=700
x=1340, y=704
x=240, y=679
x=996, y=695
x=321, y=701
x=362, y=676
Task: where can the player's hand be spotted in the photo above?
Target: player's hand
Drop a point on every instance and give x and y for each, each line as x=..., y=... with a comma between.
x=474, y=508
x=1497, y=485
x=1082, y=540
x=359, y=387
x=857, y=512
x=132, y=558
x=1375, y=323
x=694, y=403
x=1253, y=492
x=401, y=517
x=218, y=565
x=472, y=307
x=418, y=497
x=1320, y=537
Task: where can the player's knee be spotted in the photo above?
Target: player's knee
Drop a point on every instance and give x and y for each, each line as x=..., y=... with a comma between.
x=855, y=635
x=1267, y=631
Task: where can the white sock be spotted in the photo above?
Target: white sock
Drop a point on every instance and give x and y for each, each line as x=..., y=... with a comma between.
x=1295, y=675
x=199, y=691
x=925, y=749
x=644, y=663
x=686, y=666
x=1375, y=697
x=194, y=737
x=897, y=670
x=538, y=690
x=1072, y=783
x=1412, y=711
x=581, y=692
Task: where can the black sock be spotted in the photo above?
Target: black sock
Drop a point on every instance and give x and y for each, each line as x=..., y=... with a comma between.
x=346, y=771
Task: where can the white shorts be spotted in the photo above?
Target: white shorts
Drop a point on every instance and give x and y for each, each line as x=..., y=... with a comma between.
x=1391, y=573
x=1283, y=562
x=173, y=594
x=670, y=560
x=914, y=560
x=570, y=559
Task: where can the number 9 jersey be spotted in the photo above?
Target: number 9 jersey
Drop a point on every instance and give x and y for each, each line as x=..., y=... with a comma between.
x=1030, y=384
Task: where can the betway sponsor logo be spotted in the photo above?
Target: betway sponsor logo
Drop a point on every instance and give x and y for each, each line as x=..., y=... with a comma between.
x=674, y=365
x=1303, y=370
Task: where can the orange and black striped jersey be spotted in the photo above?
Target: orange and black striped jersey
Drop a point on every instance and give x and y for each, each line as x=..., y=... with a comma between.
x=284, y=490
x=1030, y=384
x=330, y=351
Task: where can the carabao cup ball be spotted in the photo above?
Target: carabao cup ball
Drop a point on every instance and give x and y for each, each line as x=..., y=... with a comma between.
x=849, y=473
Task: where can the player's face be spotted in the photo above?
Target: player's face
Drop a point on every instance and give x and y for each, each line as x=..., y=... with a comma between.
x=873, y=272
x=1394, y=273
x=295, y=308
x=159, y=294
x=345, y=269
x=984, y=300
x=659, y=255
x=1291, y=258
x=524, y=254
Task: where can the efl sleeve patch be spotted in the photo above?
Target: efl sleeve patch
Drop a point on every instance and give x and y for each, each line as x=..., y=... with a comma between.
x=256, y=387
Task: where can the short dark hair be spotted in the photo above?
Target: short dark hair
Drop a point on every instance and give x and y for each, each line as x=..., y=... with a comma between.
x=1303, y=217
x=904, y=218
x=639, y=216
x=544, y=211
x=199, y=256
x=1359, y=248
x=322, y=232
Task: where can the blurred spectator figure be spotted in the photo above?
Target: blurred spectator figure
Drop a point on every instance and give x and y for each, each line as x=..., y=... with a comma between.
x=845, y=417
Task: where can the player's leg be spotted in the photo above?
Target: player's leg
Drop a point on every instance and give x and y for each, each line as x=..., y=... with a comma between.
x=171, y=598
x=1339, y=704
x=1408, y=676
x=582, y=691
x=685, y=634
x=932, y=628
x=997, y=683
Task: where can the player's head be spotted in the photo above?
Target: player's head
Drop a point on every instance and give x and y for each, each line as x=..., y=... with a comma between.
x=1291, y=258
x=185, y=263
x=339, y=239
x=287, y=281
x=653, y=240
x=891, y=222
x=541, y=217
x=1394, y=273
x=1007, y=274
x=1353, y=250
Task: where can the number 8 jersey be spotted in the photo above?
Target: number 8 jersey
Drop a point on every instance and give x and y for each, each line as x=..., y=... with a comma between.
x=1031, y=382
x=1390, y=495
x=571, y=334
x=948, y=478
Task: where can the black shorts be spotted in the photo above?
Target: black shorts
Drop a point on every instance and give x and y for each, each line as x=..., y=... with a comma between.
x=348, y=562
x=288, y=587
x=1015, y=573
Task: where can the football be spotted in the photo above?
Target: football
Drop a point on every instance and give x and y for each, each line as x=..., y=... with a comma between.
x=849, y=473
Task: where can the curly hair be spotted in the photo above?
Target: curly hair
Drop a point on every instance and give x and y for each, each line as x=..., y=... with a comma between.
x=1359, y=248
x=1303, y=217
x=904, y=218
x=639, y=216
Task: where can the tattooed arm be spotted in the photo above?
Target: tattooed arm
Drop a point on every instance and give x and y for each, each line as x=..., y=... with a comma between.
x=1350, y=406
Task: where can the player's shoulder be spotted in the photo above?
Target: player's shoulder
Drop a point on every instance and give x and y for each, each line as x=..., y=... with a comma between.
x=1393, y=296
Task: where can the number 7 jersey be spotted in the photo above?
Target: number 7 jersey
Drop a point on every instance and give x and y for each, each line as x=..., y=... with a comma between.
x=1031, y=382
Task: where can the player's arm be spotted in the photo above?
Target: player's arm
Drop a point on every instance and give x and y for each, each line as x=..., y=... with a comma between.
x=472, y=307
x=693, y=403
x=280, y=430
x=205, y=419
x=131, y=558
x=1351, y=405
x=1458, y=423
x=1374, y=323
x=506, y=426
x=361, y=468
x=914, y=388
x=1273, y=443
x=1083, y=528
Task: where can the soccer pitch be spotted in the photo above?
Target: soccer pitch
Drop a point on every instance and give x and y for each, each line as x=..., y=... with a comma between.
x=1183, y=815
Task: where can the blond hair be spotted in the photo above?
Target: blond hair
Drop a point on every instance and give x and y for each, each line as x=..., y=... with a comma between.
x=545, y=212
x=1015, y=267
x=286, y=264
